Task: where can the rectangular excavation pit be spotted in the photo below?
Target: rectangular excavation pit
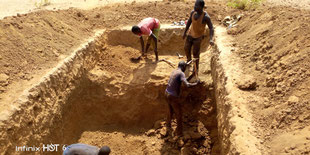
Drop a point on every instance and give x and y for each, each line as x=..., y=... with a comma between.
x=99, y=97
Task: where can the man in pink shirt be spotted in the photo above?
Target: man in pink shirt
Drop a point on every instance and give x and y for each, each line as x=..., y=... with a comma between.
x=149, y=27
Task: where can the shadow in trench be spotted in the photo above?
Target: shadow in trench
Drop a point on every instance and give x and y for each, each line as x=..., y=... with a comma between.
x=199, y=124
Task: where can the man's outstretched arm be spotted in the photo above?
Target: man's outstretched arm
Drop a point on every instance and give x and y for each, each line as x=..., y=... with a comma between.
x=188, y=84
x=207, y=20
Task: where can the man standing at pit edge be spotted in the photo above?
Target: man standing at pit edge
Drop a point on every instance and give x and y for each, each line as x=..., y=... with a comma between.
x=198, y=20
x=149, y=27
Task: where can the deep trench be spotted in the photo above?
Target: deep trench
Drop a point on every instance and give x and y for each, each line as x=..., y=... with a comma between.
x=90, y=109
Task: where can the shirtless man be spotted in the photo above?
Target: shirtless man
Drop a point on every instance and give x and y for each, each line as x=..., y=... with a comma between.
x=149, y=27
x=197, y=22
x=172, y=94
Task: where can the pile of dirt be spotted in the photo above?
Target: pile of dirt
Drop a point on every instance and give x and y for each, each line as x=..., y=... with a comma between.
x=273, y=43
x=157, y=140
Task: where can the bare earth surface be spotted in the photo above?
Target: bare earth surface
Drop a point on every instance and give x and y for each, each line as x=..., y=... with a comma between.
x=272, y=42
x=12, y=7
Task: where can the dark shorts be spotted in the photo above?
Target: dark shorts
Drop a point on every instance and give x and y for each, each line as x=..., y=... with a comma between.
x=195, y=43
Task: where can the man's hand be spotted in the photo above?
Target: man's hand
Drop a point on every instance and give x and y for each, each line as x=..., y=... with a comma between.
x=211, y=42
x=184, y=36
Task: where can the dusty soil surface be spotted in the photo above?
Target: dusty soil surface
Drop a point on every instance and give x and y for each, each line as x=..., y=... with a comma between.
x=305, y=4
x=32, y=44
x=274, y=45
x=13, y=7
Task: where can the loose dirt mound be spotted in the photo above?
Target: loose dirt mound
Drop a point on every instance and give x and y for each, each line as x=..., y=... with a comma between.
x=274, y=46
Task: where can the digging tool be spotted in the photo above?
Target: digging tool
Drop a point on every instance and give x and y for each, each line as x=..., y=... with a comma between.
x=167, y=61
x=179, y=55
x=194, y=59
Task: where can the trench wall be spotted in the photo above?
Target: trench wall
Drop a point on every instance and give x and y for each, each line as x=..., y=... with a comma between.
x=37, y=118
x=170, y=39
x=237, y=134
x=39, y=109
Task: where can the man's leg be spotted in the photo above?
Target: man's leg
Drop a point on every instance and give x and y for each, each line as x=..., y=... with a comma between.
x=188, y=47
x=170, y=111
x=156, y=33
x=148, y=43
x=176, y=105
x=196, y=50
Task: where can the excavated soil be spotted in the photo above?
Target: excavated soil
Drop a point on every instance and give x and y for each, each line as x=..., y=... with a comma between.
x=273, y=44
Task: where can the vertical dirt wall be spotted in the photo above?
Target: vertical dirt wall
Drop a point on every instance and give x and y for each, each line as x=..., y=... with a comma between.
x=237, y=133
x=32, y=122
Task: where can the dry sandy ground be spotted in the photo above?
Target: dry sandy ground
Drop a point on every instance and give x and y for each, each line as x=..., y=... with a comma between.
x=12, y=7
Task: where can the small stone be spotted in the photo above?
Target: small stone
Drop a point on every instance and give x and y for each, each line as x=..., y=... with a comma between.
x=3, y=78
x=180, y=143
x=195, y=135
x=98, y=16
x=206, y=143
x=18, y=15
x=153, y=143
x=293, y=100
x=185, y=151
x=286, y=150
x=195, y=150
x=163, y=132
x=150, y=132
x=247, y=83
x=158, y=124
x=296, y=50
x=79, y=14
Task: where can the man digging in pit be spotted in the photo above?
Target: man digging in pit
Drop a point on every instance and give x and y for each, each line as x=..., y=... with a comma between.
x=149, y=27
x=173, y=98
x=197, y=22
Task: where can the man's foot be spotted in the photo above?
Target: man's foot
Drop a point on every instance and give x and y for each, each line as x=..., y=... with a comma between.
x=135, y=59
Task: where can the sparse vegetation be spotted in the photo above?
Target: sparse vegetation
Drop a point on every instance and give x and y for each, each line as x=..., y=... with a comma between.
x=42, y=3
x=244, y=4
